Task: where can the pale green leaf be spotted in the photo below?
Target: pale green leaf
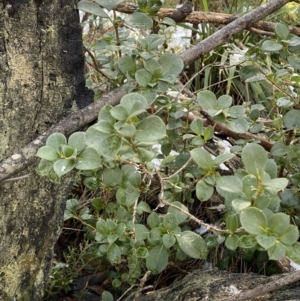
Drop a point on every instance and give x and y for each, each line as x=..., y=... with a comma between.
x=47, y=153
x=255, y=158
x=157, y=259
x=253, y=221
x=150, y=129
x=139, y=20
x=88, y=159
x=92, y=8
x=266, y=241
x=192, y=244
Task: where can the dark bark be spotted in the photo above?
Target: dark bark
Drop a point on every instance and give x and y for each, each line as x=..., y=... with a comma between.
x=41, y=74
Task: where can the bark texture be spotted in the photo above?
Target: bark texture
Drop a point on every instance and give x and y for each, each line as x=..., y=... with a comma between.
x=41, y=74
x=215, y=285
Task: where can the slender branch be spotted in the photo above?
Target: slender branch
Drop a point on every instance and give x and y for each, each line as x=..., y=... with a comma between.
x=265, y=288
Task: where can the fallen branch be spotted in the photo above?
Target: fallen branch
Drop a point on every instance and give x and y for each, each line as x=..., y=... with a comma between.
x=265, y=288
x=198, y=17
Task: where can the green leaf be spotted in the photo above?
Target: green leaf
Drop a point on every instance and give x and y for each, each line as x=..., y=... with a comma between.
x=229, y=187
x=154, y=237
x=143, y=207
x=153, y=220
x=250, y=185
x=109, y=5
x=248, y=72
x=224, y=102
x=107, y=296
x=135, y=103
x=290, y=236
x=271, y=46
x=247, y=242
x=92, y=8
x=55, y=140
x=151, y=65
x=203, y=159
x=239, y=204
x=89, y=159
x=291, y=119
x=110, y=146
x=126, y=64
x=143, y=77
x=171, y=63
x=275, y=185
x=150, y=129
x=135, y=179
x=279, y=150
x=271, y=168
x=76, y=141
x=231, y=242
x=197, y=126
x=157, y=259
x=168, y=240
x=239, y=125
x=289, y=198
x=266, y=241
x=232, y=222
x=294, y=61
x=141, y=232
x=119, y=112
x=47, y=153
x=114, y=253
x=139, y=20
x=63, y=166
x=279, y=222
x=208, y=133
x=276, y=252
x=170, y=221
x=192, y=244
x=255, y=159
x=222, y=158
x=236, y=111
x=207, y=100
x=112, y=177
x=282, y=31
x=253, y=221
x=293, y=253
x=204, y=191
x=181, y=217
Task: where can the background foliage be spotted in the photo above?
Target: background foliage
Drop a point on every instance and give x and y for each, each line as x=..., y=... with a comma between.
x=155, y=186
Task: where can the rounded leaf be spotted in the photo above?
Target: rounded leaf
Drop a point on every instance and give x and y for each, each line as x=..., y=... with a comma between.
x=192, y=244
x=47, y=153
x=291, y=119
x=139, y=20
x=171, y=63
x=76, y=140
x=89, y=159
x=150, y=129
x=253, y=221
x=204, y=191
x=255, y=158
x=63, y=166
x=271, y=46
x=55, y=140
x=157, y=259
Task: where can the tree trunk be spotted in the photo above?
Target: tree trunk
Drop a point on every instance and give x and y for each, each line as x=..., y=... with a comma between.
x=41, y=74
